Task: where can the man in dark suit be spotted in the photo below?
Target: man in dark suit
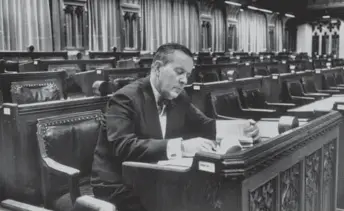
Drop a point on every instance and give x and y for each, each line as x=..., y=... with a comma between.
x=149, y=120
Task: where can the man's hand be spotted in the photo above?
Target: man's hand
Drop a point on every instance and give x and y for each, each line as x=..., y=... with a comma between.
x=191, y=146
x=251, y=131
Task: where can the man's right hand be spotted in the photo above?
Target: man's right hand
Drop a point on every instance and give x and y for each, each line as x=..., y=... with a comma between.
x=191, y=146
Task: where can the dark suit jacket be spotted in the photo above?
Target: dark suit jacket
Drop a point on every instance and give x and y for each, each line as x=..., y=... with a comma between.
x=132, y=133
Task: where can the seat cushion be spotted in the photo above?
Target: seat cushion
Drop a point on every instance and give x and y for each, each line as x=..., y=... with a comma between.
x=64, y=203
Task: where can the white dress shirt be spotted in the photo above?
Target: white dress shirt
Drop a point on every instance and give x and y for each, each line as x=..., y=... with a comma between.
x=174, y=145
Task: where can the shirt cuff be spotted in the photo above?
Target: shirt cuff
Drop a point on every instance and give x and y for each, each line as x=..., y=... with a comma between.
x=174, y=148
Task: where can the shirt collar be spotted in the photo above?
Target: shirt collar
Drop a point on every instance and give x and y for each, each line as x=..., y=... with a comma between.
x=155, y=92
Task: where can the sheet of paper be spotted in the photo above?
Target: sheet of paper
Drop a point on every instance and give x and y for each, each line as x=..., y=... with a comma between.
x=230, y=133
x=182, y=162
x=230, y=127
x=268, y=128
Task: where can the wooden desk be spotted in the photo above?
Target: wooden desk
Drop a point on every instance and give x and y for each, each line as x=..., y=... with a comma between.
x=315, y=109
x=324, y=105
x=295, y=170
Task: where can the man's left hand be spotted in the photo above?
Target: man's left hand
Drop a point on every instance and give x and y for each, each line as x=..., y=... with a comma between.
x=252, y=130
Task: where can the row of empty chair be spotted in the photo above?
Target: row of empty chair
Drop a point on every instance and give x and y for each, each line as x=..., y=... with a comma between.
x=32, y=172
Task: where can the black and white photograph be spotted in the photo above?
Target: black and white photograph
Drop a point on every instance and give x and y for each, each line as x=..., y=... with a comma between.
x=171, y=105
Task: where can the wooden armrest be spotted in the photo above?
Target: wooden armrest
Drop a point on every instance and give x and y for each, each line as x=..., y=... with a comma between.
x=302, y=98
x=317, y=94
x=60, y=168
x=281, y=104
x=258, y=110
x=336, y=87
x=20, y=206
x=88, y=203
x=156, y=167
x=218, y=116
x=63, y=170
x=329, y=91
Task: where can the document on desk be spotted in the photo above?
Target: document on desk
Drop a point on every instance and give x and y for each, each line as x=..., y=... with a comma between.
x=180, y=162
x=234, y=128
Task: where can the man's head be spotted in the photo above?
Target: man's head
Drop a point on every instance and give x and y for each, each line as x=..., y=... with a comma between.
x=172, y=64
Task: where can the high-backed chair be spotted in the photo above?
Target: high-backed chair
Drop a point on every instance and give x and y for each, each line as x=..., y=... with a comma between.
x=36, y=91
x=66, y=145
x=296, y=90
x=291, y=93
x=261, y=71
x=226, y=104
x=329, y=82
x=33, y=87
x=209, y=76
x=309, y=86
x=339, y=78
x=229, y=75
x=245, y=70
x=255, y=98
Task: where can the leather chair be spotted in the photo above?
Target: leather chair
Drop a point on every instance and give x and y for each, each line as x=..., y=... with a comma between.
x=339, y=78
x=255, y=98
x=296, y=90
x=329, y=82
x=309, y=86
x=293, y=93
x=227, y=105
x=273, y=70
x=261, y=71
x=23, y=92
x=205, y=77
x=66, y=145
x=222, y=60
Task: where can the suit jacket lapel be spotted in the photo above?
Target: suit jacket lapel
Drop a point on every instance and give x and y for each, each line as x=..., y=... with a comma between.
x=175, y=119
x=150, y=111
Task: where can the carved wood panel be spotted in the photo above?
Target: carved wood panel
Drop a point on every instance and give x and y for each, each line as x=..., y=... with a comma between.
x=328, y=176
x=264, y=197
x=290, y=189
x=312, y=182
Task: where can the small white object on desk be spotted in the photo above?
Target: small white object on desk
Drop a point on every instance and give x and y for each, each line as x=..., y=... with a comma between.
x=181, y=162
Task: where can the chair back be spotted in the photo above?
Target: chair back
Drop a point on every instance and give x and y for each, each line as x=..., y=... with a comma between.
x=329, y=80
x=295, y=88
x=339, y=78
x=36, y=91
x=205, y=77
x=309, y=85
x=253, y=98
x=68, y=139
x=226, y=103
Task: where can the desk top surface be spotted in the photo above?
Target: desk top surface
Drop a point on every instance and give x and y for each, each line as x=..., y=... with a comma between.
x=231, y=130
x=320, y=105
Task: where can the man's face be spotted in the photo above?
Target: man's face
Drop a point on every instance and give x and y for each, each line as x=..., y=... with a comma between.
x=172, y=77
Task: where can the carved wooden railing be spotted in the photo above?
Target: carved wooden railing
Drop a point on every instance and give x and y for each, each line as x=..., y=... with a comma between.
x=295, y=170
